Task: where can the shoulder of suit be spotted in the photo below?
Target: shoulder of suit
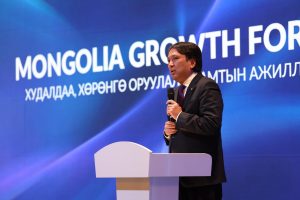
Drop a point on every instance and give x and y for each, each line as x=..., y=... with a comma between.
x=206, y=82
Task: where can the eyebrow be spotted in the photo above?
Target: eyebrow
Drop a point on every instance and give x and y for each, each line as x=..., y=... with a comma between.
x=172, y=56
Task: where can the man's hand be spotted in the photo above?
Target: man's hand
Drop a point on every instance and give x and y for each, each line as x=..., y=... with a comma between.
x=169, y=128
x=173, y=109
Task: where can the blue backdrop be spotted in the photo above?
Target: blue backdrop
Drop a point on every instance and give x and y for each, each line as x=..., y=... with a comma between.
x=51, y=125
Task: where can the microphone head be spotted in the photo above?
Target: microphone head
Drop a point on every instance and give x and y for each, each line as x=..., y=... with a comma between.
x=171, y=93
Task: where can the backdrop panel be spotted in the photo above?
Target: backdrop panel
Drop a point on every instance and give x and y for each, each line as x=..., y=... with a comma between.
x=78, y=75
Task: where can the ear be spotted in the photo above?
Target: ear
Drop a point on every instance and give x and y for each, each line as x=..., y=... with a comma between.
x=193, y=63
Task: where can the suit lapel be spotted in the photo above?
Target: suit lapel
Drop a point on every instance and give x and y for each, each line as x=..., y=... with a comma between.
x=191, y=88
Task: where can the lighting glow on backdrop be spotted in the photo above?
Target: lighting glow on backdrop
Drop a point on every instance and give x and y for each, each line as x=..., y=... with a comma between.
x=76, y=76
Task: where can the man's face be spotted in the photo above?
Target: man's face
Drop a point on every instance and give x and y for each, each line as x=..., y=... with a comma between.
x=180, y=68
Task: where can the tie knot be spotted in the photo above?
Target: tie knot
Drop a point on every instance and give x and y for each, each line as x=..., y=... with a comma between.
x=181, y=89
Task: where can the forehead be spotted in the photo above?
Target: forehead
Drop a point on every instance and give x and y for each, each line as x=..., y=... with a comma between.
x=174, y=52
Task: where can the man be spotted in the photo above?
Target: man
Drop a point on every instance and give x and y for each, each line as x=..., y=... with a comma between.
x=197, y=111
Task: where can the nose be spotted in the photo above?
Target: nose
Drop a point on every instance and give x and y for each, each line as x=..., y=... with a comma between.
x=170, y=64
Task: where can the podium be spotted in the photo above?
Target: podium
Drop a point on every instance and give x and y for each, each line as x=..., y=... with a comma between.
x=143, y=175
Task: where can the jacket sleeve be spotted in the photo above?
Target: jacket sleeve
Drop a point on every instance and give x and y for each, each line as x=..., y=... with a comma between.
x=167, y=141
x=208, y=118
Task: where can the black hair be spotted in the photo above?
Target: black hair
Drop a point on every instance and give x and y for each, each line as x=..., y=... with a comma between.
x=191, y=51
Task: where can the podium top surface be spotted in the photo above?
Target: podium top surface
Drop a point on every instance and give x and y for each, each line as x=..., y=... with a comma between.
x=128, y=159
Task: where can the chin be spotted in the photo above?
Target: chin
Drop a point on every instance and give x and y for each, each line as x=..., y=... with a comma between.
x=175, y=78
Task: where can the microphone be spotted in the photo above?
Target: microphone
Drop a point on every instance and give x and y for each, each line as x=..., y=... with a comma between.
x=171, y=97
x=171, y=93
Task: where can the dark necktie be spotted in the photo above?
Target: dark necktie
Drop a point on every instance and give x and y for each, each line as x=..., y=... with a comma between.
x=180, y=96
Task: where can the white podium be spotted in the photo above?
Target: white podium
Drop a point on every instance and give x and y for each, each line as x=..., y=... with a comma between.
x=143, y=175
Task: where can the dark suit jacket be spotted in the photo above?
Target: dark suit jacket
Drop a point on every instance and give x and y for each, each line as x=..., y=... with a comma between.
x=199, y=128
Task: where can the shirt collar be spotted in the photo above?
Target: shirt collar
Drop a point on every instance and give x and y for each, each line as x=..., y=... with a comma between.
x=187, y=82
